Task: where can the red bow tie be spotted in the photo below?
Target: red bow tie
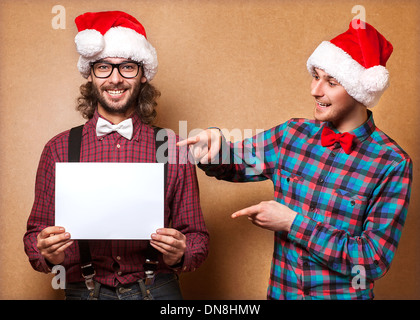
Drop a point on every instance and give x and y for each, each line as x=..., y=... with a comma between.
x=329, y=137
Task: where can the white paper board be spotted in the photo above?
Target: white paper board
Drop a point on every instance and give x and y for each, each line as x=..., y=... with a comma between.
x=109, y=200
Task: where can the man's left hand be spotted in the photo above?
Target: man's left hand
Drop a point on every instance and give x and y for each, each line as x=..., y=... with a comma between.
x=269, y=215
x=171, y=243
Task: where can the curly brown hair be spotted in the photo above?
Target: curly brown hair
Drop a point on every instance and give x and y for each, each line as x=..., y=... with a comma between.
x=145, y=108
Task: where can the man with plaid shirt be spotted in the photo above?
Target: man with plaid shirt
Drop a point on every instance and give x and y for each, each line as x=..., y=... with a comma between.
x=341, y=185
x=119, y=103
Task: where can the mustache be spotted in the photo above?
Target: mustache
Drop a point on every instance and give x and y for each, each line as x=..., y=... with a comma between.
x=119, y=87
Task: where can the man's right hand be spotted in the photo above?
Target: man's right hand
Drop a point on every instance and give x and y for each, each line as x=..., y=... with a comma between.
x=205, y=146
x=52, y=241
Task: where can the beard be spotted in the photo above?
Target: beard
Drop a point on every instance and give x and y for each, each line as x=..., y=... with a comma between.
x=117, y=107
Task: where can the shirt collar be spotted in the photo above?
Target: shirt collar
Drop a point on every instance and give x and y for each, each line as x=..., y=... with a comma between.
x=364, y=131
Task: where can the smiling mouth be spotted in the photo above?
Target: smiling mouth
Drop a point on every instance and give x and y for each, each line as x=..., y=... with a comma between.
x=115, y=93
x=323, y=105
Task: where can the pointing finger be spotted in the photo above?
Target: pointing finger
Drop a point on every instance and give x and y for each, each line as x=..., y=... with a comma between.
x=189, y=141
x=246, y=211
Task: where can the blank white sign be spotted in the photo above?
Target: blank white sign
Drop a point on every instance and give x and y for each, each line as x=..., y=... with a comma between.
x=109, y=200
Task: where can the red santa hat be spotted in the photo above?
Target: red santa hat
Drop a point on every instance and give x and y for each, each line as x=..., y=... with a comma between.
x=357, y=60
x=113, y=34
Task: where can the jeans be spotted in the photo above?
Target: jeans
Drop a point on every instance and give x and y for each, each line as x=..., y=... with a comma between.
x=165, y=287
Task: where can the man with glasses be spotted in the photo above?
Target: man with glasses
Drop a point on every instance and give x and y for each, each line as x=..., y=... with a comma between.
x=119, y=103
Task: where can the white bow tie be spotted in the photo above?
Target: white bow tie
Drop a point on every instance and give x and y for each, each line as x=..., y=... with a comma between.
x=124, y=128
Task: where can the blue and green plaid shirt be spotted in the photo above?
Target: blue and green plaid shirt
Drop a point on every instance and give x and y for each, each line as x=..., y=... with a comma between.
x=351, y=207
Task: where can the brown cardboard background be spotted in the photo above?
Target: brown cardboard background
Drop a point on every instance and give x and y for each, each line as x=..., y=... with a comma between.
x=234, y=64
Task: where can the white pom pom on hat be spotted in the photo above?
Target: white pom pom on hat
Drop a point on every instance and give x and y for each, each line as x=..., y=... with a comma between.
x=89, y=42
x=357, y=60
x=113, y=34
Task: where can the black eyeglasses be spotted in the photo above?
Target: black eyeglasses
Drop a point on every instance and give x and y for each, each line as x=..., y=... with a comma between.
x=128, y=70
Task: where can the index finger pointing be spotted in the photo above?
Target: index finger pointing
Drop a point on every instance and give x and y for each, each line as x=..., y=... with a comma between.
x=189, y=141
x=246, y=212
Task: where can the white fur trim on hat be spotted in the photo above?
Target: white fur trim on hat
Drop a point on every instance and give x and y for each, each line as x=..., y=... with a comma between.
x=364, y=85
x=118, y=42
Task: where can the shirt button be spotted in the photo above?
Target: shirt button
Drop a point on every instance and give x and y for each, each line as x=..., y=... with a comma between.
x=119, y=273
x=118, y=146
x=118, y=258
x=320, y=180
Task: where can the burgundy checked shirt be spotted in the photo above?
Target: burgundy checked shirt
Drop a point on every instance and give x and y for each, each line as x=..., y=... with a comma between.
x=120, y=261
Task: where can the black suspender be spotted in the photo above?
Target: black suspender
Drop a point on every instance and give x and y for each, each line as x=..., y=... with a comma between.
x=152, y=260
x=75, y=143
x=87, y=268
